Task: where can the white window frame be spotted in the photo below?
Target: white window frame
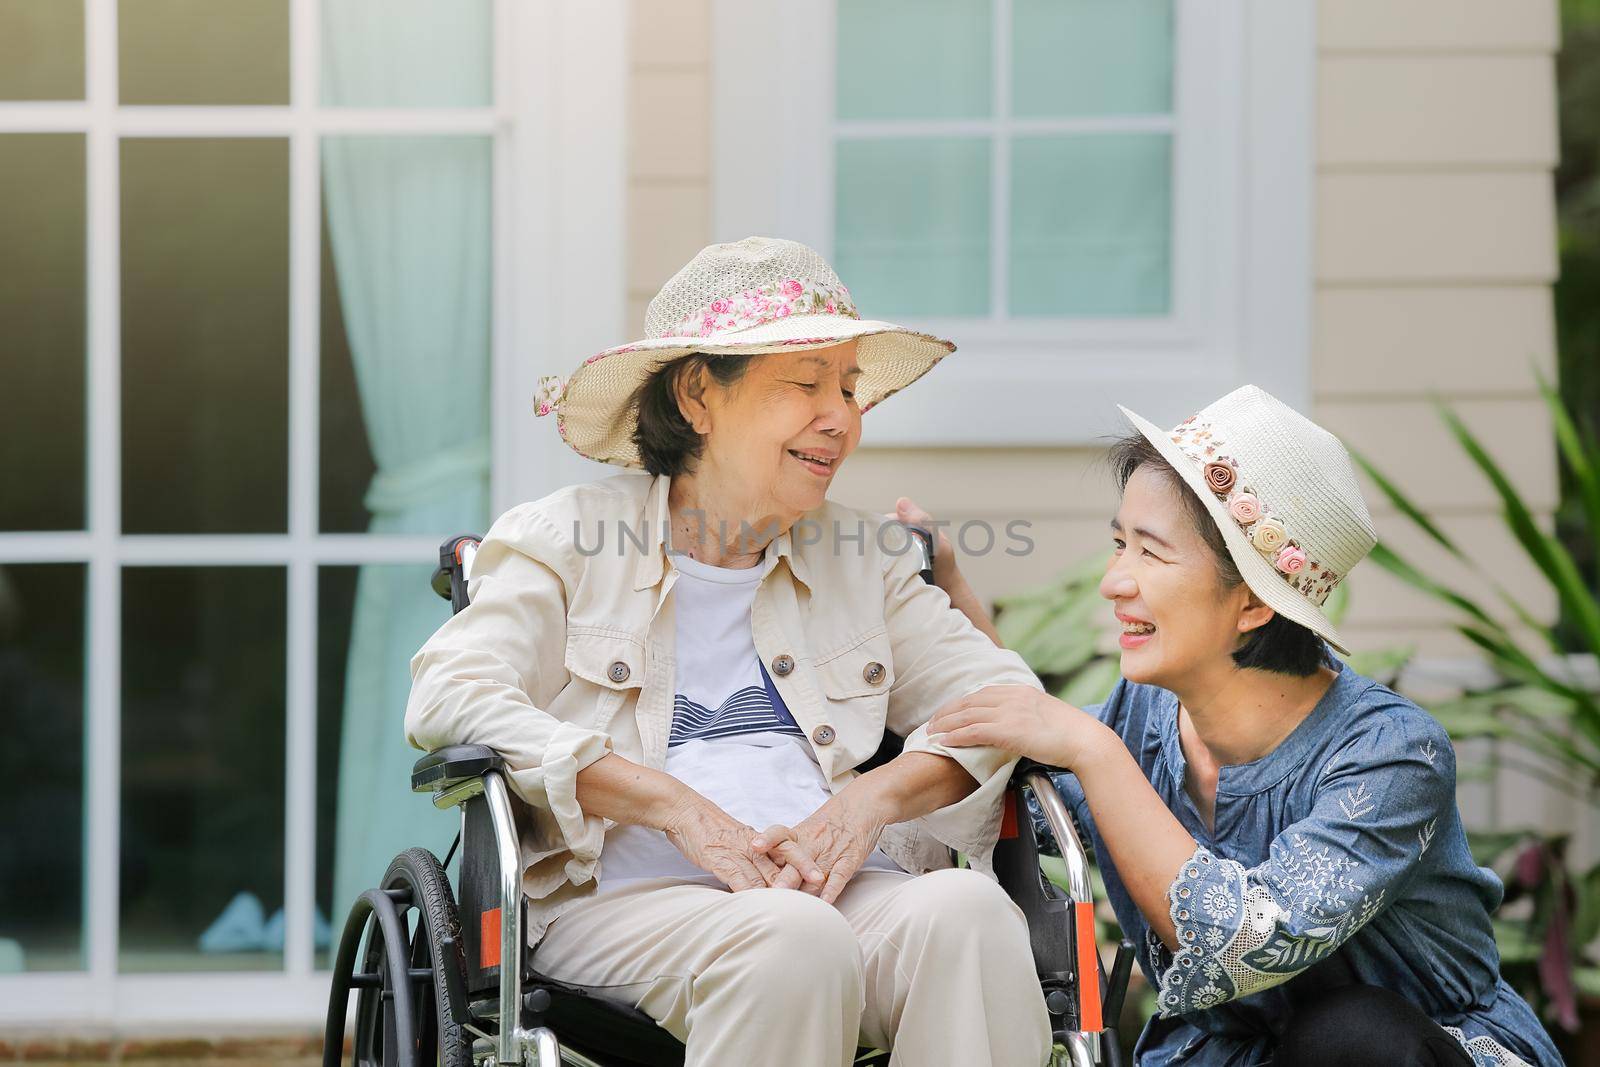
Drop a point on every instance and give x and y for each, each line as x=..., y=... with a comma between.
x=558, y=200
x=1242, y=115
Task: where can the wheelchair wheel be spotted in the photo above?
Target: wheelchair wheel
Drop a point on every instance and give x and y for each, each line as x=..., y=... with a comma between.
x=411, y=1003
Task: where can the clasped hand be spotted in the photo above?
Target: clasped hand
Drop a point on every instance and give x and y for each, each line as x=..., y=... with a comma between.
x=818, y=856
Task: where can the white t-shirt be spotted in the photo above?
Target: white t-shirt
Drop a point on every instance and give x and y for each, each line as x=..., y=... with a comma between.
x=733, y=740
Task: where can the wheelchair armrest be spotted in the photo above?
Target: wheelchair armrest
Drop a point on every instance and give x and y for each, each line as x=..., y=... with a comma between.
x=444, y=767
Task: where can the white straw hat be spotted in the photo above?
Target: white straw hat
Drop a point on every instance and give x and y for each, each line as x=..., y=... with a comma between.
x=1284, y=494
x=758, y=295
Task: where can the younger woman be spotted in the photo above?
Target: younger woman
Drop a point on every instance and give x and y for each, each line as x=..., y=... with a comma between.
x=1278, y=834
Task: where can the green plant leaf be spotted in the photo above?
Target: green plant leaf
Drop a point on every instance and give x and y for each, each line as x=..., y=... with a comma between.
x=1548, y=554
x=1580, y=450
x=1404, y=505
x=1586, y=921
x=1516, y=942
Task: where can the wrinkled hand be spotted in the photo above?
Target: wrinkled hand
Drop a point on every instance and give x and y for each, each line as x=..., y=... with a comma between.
x=721, y=845
x=840, y=836
x=1019, y=719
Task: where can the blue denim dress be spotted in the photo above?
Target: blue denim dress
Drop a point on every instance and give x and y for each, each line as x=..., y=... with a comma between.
x=1338, y=857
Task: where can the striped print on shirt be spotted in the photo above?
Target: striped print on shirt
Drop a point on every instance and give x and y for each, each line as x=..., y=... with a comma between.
x=749, y=711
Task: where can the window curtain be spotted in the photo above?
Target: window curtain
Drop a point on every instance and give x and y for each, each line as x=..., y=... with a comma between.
x=409, y=222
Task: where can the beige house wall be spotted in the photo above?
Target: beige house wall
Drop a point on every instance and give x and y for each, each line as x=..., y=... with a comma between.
x=1434, y=254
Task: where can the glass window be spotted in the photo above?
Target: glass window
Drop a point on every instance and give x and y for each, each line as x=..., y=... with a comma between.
x=205, y=319
x=1091, y=57
x=913, y=224
x=41, y=49
x=42, y=329
x=1082, y=226
x=407, y=53
x=1091, y=225
x=406, y=310
x=203, y=662
x=371, y=621
x=41, y=762
x=203, y=52
x=915, y=59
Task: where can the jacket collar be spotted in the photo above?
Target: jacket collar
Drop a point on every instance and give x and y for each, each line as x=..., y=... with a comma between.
x=652, y=565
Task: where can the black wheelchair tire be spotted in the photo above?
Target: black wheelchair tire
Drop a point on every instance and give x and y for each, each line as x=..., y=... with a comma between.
x=417, y=882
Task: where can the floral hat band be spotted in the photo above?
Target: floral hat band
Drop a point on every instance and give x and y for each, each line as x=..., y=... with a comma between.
x=769, y=303
x=756, y=306
x=1266, y=530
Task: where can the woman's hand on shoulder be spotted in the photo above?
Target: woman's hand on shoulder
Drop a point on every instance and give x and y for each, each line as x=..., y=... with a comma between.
x=1022, y=720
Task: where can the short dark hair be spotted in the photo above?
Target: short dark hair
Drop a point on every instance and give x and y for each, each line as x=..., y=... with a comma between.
x=666, y=442
x=1282, y=646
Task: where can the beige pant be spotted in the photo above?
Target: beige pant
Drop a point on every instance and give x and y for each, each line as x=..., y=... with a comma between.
x=937, y=967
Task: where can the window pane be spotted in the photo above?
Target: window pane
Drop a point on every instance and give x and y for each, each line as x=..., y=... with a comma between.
x=1091, y=225
x=1091, y=57
x=371, y=620
x=203, y=52
x=202, y=768
x=41, y=820
x=407, y=53
x=42, y=339
x=41, y=49
x=406, y=310
x=914, y=59
x=205, y=322
x=911, y=229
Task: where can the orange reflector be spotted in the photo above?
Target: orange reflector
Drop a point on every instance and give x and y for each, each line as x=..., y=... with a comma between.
x=1088, y=970
x=489, y=939
x=1008, y=815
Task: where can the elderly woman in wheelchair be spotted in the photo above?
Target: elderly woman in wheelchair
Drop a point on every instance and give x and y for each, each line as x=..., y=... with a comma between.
x=683, y=673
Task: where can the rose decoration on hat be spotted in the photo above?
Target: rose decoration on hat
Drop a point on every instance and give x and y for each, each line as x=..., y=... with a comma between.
x=1220, y=477
x=1244, y=507
x=1291, y=560
x=1265, y=532
x=1269, y=536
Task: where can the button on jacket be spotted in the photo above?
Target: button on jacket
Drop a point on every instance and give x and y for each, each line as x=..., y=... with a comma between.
x=566, y=652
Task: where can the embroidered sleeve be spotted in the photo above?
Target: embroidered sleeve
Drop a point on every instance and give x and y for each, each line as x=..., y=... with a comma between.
x=1242, y=929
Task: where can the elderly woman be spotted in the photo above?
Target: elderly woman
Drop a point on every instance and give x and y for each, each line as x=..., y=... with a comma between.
x=1277, y=833
x=685, y=670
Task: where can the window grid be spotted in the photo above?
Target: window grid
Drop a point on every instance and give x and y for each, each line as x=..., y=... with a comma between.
x=295, y=992
x=1000, y=128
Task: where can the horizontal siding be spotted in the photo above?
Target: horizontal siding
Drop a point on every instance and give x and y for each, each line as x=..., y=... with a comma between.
x=1461, y=227
x=1456, y=111
x=1438, y=25
x=1406, y=439
x=1418, y=341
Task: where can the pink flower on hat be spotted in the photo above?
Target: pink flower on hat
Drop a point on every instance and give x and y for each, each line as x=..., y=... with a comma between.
x=722, y=306
x=791, y=288
x=1291, y=560
x=1244, y=507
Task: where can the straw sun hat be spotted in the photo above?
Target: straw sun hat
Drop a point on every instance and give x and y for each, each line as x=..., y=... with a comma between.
x=1284, y=494
x=759, y=295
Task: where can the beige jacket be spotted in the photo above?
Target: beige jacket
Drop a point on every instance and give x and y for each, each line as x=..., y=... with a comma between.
x=566, y=652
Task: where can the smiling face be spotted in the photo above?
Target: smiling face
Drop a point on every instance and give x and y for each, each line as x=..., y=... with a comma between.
x=1180, y=622
x=777, y=437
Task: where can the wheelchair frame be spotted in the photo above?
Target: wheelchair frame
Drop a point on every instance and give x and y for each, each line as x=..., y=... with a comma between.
x=512, y=1013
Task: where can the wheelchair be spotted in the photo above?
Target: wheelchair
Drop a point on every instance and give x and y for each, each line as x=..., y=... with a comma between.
x=445, y=978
